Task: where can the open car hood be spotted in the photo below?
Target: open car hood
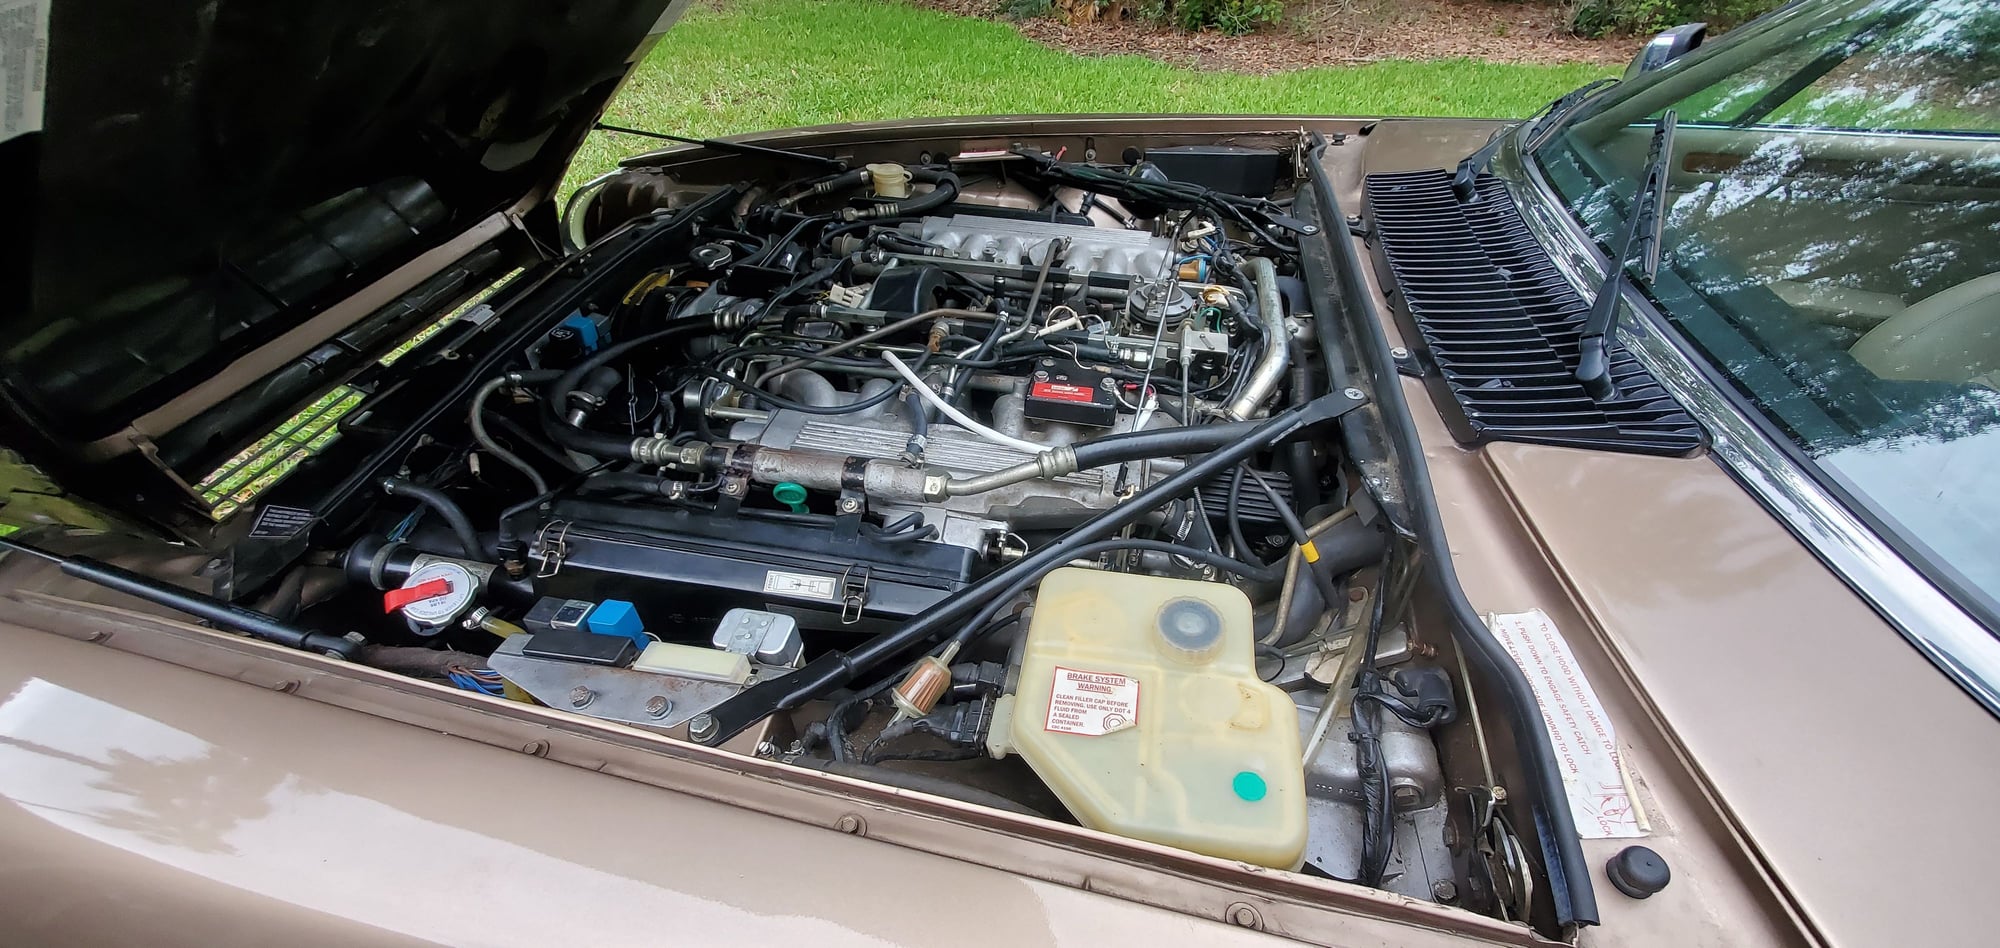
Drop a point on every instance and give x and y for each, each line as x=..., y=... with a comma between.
x=201, y=178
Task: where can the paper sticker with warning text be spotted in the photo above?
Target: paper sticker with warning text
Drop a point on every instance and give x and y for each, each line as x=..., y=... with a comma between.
x=1600, y=797
x=1092, y=703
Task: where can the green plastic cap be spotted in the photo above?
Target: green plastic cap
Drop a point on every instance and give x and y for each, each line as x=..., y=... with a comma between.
x=791, y=495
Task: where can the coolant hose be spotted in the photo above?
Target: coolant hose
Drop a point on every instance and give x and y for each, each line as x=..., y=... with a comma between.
x=1344, y=546
x=594, y=443
x=1298, y=455
x=1158, y=443
x=476, y=420
x=944, y=193
x=1028, y=578
x=585, y=399
x=1115, y=449
x=446, y=508
x=629, y=481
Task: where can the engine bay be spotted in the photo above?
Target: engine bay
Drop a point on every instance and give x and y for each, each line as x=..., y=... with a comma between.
x=1001, y=477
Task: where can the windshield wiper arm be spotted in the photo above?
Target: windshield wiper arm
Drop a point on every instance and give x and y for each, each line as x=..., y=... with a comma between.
x=1642, y=236
x=1475, y=164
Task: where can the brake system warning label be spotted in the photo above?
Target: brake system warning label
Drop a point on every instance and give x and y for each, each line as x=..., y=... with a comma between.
x=1092, y=704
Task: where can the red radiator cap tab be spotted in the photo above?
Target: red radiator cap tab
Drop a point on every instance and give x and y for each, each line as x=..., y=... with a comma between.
x=396, y=599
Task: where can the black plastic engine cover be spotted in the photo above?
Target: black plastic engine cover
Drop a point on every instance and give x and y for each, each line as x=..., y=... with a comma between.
x=687, y=568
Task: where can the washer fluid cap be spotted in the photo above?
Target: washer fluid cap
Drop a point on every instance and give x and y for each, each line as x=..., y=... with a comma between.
x=1191, y=628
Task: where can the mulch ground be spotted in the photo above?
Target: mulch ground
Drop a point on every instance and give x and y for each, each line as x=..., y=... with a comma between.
x=1337, y=33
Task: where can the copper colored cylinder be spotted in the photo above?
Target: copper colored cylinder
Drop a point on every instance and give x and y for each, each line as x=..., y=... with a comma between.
x=919, y=692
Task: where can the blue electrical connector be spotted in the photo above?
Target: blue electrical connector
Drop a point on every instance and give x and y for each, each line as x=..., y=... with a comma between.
x=618, y=617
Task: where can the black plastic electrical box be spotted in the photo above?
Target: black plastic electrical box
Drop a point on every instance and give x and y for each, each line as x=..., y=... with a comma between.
x=1231, y=169
x=1067, y=392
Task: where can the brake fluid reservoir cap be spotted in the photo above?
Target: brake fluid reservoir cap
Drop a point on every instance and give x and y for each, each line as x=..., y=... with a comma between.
x=1191, y=628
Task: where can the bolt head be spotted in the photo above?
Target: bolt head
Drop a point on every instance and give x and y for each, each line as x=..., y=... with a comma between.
x=1245, y=915
x=658, y=706
x=850, y=824
x=702, y=727
x=1309, y=230
x=1399, y=352
x=580, y=697
x=1445, y=891
x=1354, y=393
x=850, y=505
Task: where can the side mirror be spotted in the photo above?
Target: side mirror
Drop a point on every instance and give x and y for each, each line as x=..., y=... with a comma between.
x=1667, y=47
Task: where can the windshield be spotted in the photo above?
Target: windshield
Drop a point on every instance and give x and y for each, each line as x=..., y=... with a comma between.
x=1832, y=246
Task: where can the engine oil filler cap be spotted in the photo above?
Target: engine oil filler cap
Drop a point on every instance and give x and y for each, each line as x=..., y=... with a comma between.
x=1191, y=628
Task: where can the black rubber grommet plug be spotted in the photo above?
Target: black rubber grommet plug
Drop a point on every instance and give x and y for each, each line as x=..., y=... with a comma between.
x=1637, y=871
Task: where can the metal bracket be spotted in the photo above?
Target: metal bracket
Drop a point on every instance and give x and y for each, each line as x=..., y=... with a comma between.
x=853, y=593
x=853, y=501
x=1411, y=362
x=553, y=548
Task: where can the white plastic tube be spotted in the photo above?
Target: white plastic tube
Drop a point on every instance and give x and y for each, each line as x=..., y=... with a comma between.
x=964, y=421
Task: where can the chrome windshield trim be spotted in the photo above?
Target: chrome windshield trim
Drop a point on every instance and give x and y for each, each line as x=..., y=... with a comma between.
x=1928, y=618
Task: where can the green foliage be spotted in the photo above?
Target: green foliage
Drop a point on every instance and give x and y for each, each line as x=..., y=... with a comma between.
x=1234, y=17
x=761, y=64
x=1026, y=9
x=1602, y=17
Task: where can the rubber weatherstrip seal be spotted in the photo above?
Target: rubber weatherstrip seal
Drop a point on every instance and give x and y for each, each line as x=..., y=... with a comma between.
x=1333, y=277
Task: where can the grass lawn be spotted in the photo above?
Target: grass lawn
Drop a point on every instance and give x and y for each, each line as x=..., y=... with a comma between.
x=749, y=65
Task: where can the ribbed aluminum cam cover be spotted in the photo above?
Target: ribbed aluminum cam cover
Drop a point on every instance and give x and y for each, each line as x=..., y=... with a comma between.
x=1025, y=243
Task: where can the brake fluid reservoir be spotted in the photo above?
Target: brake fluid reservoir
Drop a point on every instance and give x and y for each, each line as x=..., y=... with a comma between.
x=1138, y=703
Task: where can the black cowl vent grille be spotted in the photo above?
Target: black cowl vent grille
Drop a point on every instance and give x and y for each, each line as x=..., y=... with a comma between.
x=1501, y=324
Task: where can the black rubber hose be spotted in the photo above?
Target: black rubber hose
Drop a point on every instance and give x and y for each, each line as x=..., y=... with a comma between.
x=944, y=193
x=1232, y=514
x=629, y=481
x=476, y=419
x=1343, y=548
x=1298, y=456
x=921, y=783
x=446, y=508
x=284, y=600
x=1160, y=443
x=591, y=442
x=920, y=424
x=981, y=619
x=585, y=399
x=1321, y=578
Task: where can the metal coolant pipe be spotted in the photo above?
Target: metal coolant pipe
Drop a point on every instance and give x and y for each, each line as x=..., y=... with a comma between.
x=1275, y=357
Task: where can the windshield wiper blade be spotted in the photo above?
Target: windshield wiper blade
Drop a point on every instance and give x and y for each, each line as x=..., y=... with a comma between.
x=1469, y=170
x=1642, y=236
